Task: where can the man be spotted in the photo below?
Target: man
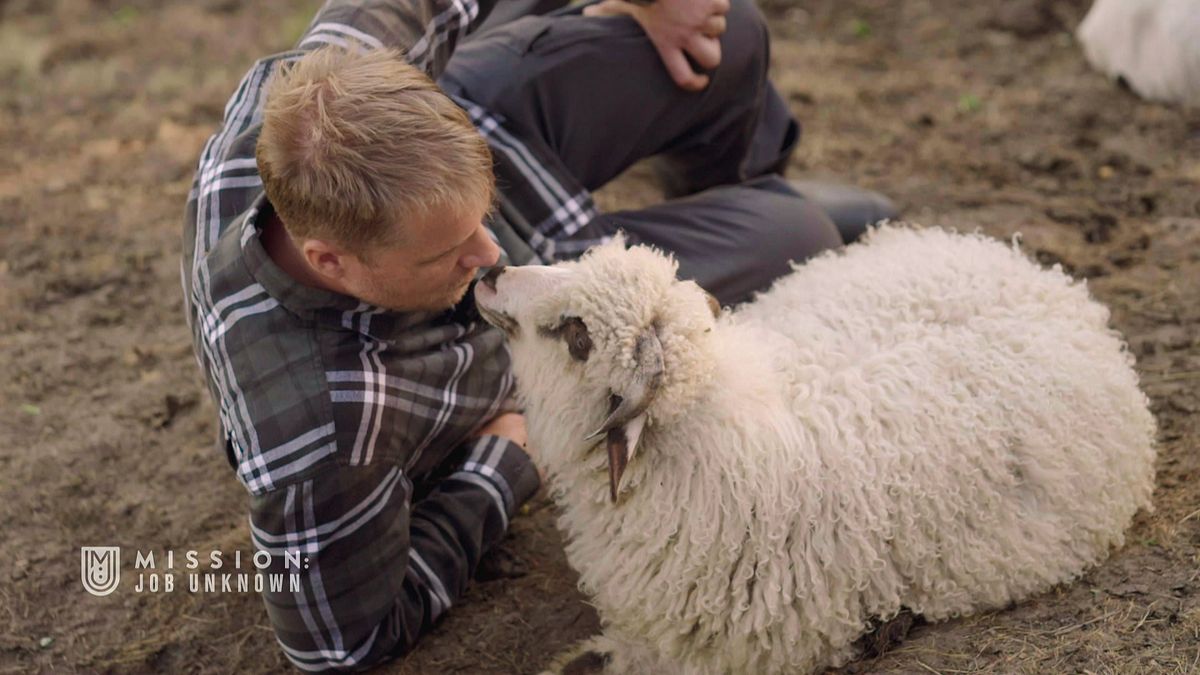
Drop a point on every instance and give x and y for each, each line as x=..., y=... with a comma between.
x=343, y=209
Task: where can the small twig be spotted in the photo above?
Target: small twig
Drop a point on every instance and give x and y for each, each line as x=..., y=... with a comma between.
x=1068, y=629
x=1149, y=609
x=922, y=664
x=197, y=619
x=1171, y=377
x=1149, y=313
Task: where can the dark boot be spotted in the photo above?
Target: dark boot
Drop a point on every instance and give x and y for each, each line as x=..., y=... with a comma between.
x=852, y=209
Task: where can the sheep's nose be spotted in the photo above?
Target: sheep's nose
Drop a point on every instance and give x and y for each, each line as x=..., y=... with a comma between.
x=492, y=275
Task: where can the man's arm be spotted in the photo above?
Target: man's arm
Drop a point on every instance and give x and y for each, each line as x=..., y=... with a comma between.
x=425, y=30
x=376, y=572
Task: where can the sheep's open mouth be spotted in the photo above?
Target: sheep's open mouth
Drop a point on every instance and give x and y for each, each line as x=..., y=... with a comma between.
x=499, y=319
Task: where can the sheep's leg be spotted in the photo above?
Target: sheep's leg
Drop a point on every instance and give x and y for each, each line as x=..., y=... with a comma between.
x=886, y=635
x=604, y=655
x=586, y=657
x=587, y=663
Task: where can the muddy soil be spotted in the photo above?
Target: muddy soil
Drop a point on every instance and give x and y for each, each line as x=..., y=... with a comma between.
x=972, y=115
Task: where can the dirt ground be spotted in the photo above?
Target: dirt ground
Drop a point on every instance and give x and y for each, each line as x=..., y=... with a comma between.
x=973, y=115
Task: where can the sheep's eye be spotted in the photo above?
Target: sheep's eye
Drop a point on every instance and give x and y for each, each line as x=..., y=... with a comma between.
x=579, y=343
x=574, y=332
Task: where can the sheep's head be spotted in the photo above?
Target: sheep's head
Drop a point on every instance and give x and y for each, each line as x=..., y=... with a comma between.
x=616, y=328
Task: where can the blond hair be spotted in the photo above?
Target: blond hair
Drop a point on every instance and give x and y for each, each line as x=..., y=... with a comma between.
x=354, y=144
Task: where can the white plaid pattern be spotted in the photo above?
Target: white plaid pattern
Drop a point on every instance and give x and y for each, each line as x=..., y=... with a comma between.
x=327, y=405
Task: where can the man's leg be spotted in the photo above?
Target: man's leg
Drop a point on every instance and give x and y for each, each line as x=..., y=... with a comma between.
x=733, y=240
x=511, y=10
x=580, y=99
x=593, y=91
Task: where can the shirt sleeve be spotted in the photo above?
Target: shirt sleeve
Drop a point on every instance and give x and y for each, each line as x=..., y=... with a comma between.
x=362, y=572
x=425, y=30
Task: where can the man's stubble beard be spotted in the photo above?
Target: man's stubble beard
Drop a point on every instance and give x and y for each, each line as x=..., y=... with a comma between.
x=460, y=292
x=450, y=298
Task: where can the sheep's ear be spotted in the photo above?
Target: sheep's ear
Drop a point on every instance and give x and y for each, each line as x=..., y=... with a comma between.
x=622, y=444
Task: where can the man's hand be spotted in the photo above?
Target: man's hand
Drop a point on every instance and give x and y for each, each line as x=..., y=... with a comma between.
x=511, y=425
x=675, y=27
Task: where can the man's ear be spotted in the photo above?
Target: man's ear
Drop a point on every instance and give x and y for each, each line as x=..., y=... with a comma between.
x=325, y=259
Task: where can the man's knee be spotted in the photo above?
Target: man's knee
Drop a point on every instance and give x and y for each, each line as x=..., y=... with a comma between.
x=745, y=45
x=794, y=230
x=776, y=228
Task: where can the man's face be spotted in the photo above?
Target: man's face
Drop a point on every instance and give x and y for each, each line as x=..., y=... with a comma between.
x=431, y=270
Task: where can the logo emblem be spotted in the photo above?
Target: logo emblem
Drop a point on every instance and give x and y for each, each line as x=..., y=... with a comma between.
x=100, y=567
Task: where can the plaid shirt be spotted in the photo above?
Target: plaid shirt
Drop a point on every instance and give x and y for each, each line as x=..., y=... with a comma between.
x=351, y=426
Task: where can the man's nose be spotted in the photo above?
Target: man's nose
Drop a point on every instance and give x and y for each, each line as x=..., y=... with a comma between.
x=487, y=253
x=492, y=275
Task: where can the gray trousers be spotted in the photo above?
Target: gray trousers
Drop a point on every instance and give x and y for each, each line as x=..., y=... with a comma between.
x=594, y=93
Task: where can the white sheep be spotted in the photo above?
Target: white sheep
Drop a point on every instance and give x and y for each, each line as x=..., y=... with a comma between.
x=1154, y=45
x=926, y=421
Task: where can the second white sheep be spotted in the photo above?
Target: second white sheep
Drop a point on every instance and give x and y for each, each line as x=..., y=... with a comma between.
x=1153, y=45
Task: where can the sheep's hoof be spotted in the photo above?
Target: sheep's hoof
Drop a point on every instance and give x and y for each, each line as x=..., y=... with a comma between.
x=587, y=663
x=591, y=656
x=886, y=635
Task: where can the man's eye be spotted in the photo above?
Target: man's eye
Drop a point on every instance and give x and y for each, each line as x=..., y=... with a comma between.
x=440, y=258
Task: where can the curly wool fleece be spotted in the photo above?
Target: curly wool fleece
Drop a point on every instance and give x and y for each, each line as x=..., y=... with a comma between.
x=925, y=420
